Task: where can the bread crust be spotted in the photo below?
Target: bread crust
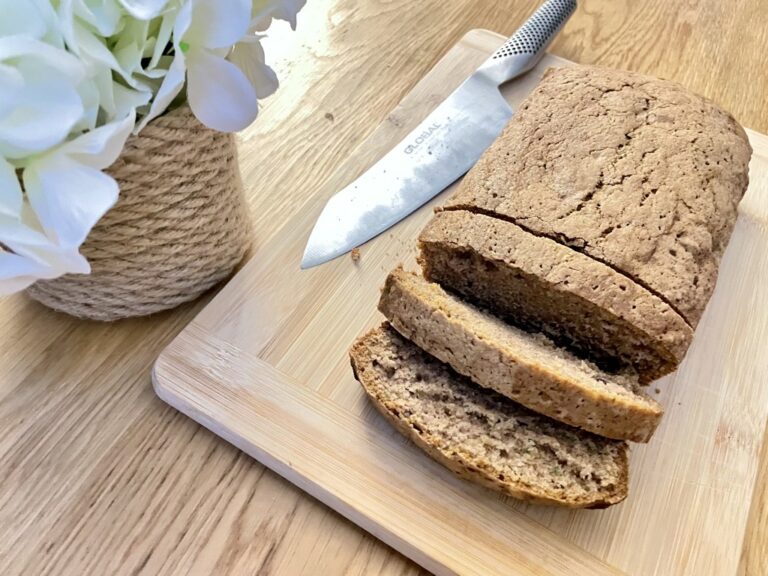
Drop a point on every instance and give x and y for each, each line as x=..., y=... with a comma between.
x=634, y=171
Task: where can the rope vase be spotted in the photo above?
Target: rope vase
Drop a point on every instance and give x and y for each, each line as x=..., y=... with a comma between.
x=180, y=225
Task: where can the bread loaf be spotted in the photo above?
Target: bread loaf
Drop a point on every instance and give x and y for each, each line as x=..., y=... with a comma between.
x=636, y=172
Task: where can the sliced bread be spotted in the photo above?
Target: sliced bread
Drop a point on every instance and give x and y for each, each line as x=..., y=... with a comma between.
x=546, y=287
x=634, y=171
x=522, y=366
x=483, y=436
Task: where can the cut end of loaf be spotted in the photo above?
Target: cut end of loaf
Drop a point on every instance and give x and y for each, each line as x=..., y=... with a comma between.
x=483, y=436
x=538, y=284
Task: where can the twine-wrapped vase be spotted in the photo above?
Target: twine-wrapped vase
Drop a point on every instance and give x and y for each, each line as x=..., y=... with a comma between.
x=179, y=227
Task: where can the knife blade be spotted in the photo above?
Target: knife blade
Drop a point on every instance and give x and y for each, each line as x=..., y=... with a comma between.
x=439, y=150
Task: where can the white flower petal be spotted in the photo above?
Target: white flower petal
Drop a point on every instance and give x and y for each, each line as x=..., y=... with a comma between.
x=26, y=238
x=103, y=80
x=290, y=10
x=129, y=49
x=68, y=198
x=60, y=261
x=22, y=18
x=32, y=255
x=217, y=24
x=219, y=94
x=90, y=96
x=11, y=197
x=98, y=148
x=249, y=57
x=15, y=265
x=30, y=18
x=127, y=100
x=103, y=15
x=163, y=37
x=154, y=73
x=47, y=14
x=66, y=188
x=64, y=62
x=22, y=234
x=44, y=258
x=265, y=10
x=14, y=283
x=144, y=9
x=92, y=48
x=181, y=23
x=18, y=272
x=11, y=84
x=48, y=107
x=169, y=89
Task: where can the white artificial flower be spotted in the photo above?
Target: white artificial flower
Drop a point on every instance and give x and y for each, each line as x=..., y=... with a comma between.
x=265, y=10
x=248, y=55
x=66, y=187
x=33, y=255
x=31, y=18
x=17, y=272
x=39, y=98
x=74, y=77
x=105, y=17
x=113, y=43
x=65, y=194
x=144, y=9
x=85, y=26
x=220, y=94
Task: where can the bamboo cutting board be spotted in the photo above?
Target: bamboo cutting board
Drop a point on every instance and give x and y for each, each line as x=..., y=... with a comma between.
x=265, y=366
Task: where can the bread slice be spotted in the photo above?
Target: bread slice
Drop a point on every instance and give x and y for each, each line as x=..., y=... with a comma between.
x=634, y=171
x=481, y=435
x=546, y=287
x=525, y=367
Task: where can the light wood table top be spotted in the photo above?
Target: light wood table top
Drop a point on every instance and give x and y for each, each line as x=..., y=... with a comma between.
x=98, y=476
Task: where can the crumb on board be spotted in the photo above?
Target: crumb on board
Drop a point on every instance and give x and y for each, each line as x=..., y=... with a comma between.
x=657, y=391
x=355, y=255
x=329, y=117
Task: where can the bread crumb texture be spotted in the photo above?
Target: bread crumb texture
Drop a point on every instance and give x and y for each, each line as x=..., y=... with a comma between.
x=541, y=285
x=527, y=368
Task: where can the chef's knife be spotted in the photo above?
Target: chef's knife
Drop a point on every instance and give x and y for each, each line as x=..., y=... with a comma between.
x=439, y=151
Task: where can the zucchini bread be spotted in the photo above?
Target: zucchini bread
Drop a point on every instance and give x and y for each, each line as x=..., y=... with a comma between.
x=573, y=264
x=483, y=436
x=546, y=287
x=525, y=367
x=636, y=172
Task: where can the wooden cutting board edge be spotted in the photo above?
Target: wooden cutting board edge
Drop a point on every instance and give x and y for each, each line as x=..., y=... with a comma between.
x=328, y=474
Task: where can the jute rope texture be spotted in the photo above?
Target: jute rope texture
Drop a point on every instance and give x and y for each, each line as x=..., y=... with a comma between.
x=180, y=226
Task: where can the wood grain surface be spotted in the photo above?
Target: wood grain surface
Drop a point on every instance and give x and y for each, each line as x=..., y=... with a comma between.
x=98, y=476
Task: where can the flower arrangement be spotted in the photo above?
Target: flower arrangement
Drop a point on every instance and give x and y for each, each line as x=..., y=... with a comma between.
x=77, y=77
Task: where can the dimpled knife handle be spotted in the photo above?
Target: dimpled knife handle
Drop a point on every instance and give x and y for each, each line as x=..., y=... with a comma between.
x=526, y=46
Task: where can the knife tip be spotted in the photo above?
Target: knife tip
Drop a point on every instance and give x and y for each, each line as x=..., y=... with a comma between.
x=307, y=261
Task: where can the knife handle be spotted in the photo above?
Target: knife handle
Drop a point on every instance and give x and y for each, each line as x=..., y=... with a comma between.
x=525, y=47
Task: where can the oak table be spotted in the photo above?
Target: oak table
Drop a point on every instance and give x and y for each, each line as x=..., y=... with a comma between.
x=98, y=476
